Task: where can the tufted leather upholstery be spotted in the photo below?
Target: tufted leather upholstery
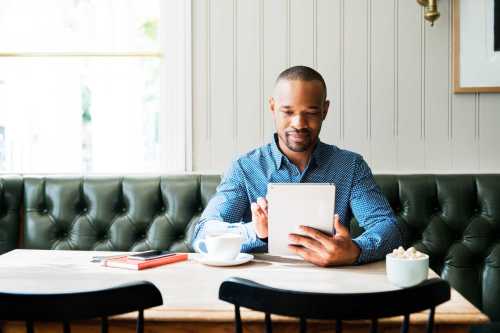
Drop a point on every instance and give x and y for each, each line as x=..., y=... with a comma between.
x=10, y=202
x=127, y=214
x=456, y=220
x=453, y=218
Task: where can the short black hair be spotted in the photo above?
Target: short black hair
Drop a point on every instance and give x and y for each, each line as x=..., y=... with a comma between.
x=302, y=73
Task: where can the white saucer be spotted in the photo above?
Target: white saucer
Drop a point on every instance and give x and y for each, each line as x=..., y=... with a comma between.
x=240, y=259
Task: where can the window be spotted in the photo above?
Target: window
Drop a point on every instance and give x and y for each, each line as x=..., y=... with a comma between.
x=84, y=83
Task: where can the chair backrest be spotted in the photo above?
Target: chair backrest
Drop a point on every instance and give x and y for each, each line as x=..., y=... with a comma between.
x=66, y=307
x=341, y=306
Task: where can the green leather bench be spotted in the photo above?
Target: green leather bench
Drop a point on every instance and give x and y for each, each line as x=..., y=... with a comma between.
x=453, y=218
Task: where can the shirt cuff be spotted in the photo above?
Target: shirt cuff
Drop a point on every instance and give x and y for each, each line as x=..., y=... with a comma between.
x=251, y=235
x=364, y=246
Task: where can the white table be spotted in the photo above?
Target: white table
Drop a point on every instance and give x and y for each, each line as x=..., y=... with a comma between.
x=190, y=289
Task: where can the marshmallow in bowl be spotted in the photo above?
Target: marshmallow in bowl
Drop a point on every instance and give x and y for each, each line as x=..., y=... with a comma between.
x=410, y=253
x=406, y=268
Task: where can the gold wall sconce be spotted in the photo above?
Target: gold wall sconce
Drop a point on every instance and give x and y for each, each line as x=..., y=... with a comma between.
x=431, y=13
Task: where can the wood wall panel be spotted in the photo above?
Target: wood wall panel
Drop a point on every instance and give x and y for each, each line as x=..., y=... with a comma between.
x=465, y=143
x=276, y=54
x=489, y=132
x=410, y=108
x=382, y=84
x=437, y=86
x=302, y=32
x=355, y=88
x=329, y=63
x=248, y=79
x=201, y=106
x=388, y=76
x=222, y=80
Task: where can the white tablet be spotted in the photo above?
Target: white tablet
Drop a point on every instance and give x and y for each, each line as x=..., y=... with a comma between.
x=293, y=204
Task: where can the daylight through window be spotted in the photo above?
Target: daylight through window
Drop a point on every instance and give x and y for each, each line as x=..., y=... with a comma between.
x=80, y=86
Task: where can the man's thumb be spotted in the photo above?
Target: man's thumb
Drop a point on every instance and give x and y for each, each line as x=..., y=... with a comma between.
x=253, y=208
x=340, y=229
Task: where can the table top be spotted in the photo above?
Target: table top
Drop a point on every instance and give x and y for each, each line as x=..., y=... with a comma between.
x=190, y=289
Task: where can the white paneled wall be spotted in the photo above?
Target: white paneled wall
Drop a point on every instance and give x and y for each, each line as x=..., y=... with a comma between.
x=388, y=75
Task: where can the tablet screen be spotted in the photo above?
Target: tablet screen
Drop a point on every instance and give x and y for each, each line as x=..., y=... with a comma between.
x=293, y=204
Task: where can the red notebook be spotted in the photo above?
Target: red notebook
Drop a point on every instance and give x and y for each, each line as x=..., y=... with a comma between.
x=124, y=262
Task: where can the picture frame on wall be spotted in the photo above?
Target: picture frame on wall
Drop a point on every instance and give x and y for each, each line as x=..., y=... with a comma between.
x=476, y=46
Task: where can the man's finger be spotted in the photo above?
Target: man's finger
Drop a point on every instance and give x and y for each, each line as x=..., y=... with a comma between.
x=262, y=203
x=324, y=239
x=306, y=242
x=261, y=212
x=253, y=207
x=340, y=229
x=307, y=254
x=256, y=211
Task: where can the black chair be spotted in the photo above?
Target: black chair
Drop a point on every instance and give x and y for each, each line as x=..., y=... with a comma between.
x=310, y=305
x=66, y=307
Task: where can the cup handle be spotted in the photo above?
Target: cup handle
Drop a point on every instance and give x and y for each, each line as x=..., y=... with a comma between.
x=197, y=247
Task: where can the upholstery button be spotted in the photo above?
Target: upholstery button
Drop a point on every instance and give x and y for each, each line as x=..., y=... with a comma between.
x=45, y=211
x=101, y=234
x=85, y=209
x=124, y=209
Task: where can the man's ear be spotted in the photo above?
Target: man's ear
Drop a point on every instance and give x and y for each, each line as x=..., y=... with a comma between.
x=326, y=106
x=272, y=105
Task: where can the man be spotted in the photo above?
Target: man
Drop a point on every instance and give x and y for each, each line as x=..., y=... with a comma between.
x=299, y=107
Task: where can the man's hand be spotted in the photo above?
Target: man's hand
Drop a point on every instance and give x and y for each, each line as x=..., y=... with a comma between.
x=324, y=250
x=259, y=216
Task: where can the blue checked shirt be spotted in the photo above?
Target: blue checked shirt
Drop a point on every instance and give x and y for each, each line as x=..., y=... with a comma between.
x=356, y=193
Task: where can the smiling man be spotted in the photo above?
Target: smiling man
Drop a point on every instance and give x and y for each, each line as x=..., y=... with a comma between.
x=296, y=155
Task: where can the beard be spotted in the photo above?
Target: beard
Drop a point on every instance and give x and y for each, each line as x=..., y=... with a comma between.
x=302, y=144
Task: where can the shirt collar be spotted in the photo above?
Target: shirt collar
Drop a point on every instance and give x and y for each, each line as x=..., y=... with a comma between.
x=278, y=156
x=317, y=155
x=276, y=152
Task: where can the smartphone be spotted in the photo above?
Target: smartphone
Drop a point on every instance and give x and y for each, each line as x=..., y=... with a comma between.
x=148, y=255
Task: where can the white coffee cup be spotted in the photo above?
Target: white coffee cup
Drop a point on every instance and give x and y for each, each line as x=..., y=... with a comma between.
x=225, y=246
x=406, y=272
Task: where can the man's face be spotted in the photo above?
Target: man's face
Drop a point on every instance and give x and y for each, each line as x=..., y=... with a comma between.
x=298, y=108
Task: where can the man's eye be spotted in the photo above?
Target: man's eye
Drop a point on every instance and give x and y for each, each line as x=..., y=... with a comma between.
x=287, y=113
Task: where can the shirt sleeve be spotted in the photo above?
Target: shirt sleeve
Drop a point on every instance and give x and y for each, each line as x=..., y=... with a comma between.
x=225, y=211
x=375, y=215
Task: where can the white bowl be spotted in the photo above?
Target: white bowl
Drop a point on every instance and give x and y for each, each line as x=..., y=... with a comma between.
x=405, y=272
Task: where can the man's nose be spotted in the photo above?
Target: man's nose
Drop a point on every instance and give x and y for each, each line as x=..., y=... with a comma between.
x=299, y=121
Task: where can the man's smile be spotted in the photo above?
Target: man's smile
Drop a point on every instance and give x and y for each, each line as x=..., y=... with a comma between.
x=299, y=134
x=298, y=137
